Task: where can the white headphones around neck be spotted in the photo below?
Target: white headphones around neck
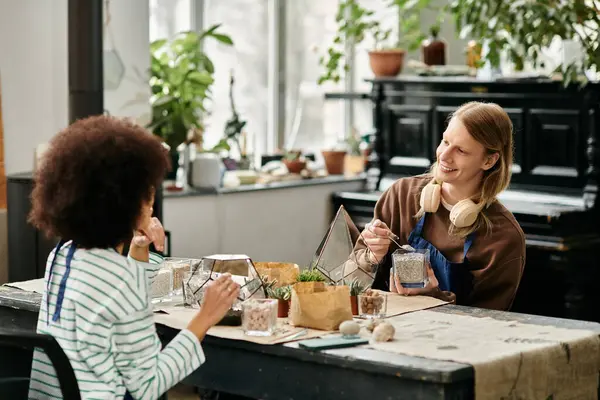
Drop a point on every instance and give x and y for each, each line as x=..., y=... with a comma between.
x=463, y=214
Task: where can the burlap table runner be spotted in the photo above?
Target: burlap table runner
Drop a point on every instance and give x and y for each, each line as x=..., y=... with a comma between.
x=511, y=360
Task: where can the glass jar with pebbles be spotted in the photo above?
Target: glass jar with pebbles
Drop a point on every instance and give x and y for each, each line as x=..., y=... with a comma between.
x=179, y=266
x=410, y=266
x=372, y=304
x=162, y=285
x=259, y=317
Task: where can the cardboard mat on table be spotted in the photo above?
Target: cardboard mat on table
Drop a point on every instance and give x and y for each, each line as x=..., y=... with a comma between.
x=511, y=360
x=179, y=317
x=397, y=304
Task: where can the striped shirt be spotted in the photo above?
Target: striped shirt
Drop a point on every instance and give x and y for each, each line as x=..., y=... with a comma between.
x=107, y=331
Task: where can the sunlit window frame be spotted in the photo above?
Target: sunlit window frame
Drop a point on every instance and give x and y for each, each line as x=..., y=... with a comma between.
x=276, y=75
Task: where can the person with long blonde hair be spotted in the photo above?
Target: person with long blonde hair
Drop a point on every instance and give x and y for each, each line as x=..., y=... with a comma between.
x=476, y=246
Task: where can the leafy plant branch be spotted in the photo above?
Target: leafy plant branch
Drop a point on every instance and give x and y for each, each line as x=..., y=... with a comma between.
x=181, y=76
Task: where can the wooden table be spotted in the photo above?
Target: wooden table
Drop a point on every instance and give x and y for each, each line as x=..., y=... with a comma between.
x=288, y=372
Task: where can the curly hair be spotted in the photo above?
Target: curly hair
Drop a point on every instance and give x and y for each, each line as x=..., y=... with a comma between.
x=93, y=180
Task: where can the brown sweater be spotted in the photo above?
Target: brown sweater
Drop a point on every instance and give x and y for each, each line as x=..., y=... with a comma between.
x=497, y=258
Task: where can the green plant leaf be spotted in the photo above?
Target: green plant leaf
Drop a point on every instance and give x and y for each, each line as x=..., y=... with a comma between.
x=157, y=45
x=225, y=39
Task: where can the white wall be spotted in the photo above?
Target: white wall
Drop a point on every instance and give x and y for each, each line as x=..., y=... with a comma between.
x=33, y=70
x=283, y=225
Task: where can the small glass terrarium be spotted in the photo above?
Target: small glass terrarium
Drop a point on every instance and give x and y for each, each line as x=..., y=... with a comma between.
x=188, y=282
x=410, y=267
x=337, y=257
x=161, y=288
x=372, y=304
x=259, y=317
x=209, y=268
x=179, y=266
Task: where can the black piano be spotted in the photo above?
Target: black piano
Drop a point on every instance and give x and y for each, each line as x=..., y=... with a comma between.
x=554, y=189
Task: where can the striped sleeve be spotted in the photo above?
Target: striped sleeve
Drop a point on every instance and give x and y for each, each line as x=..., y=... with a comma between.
x=147, y=371
x=151, y=267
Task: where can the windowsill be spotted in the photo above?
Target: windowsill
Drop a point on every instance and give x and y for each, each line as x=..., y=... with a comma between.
x=269, y=186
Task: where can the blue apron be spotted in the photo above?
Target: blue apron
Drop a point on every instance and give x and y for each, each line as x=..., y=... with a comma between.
x=454, y=277
x=62, y=287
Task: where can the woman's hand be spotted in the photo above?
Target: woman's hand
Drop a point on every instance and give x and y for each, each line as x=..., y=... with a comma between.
x=218, y=298
x=376, y=236
x=396, y=286
x=431, y=289
x=152, y=232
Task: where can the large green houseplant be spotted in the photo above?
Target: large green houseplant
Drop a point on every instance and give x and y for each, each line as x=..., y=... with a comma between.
x=521, y=29
x=181, y=75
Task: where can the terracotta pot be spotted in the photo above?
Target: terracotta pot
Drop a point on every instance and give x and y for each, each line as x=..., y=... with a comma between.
x=386, y=62
x=354, y=165
x=354, y=304
x=283, y=308
x=334, y=162
x=294, y=166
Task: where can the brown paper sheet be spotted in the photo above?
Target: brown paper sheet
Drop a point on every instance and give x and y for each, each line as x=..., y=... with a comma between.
x=398, y=304
x=179, y=317
x=511, y=360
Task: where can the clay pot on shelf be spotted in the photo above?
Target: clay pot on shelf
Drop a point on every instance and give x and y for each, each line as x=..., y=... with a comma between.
x=386, y=63
x=283, y=308
x=334, y=161
x=354, y=165
x=354, y=304
x=294, y=166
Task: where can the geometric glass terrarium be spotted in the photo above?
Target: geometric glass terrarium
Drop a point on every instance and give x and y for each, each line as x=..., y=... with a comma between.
x=209, y=268
x=336, y=257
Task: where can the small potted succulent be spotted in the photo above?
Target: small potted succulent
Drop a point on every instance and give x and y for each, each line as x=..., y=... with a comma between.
x=294, y=161
x=356, y=288
x=282, y=295
x=310, y=275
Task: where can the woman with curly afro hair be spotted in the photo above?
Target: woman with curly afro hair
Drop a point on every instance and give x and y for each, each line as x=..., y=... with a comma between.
x=94, y=190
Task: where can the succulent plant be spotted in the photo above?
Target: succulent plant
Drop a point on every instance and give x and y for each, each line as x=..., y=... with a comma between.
x=310, y=275
x=280, y=293
x=356, y=287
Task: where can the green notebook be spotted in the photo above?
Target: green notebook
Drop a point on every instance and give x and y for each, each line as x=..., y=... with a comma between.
x=331, y=343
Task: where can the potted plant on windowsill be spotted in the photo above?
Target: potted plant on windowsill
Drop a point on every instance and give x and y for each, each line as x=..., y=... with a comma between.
x=355, y=160
x=522, y=30
x=294, y=161
x=181, y=76
x=356, y=23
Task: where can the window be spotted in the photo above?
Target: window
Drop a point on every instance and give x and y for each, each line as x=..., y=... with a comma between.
x=246, y=21
x=285, y=35
x=312, y=123
x=167, y=17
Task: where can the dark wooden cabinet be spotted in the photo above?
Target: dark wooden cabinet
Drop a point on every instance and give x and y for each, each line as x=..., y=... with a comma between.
x=28, y=248
x=552, y=125
x=554, y=186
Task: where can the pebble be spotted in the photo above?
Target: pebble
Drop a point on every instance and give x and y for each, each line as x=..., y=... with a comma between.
x=349, y=328
x=384, y=332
